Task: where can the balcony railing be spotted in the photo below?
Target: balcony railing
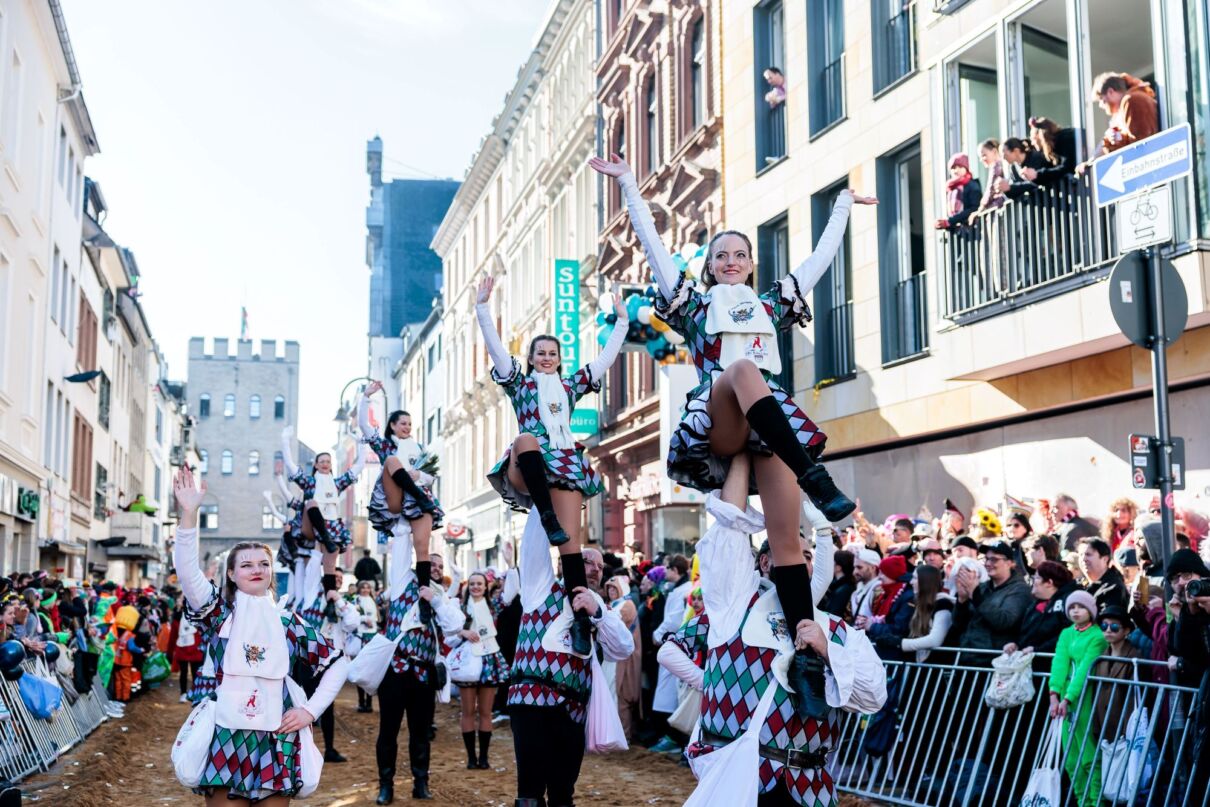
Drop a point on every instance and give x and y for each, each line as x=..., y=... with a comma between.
x=896, y=54
x=775, y=134
x=910, y=333
x=1030, y=248
x=835, y=360
x=829, y=105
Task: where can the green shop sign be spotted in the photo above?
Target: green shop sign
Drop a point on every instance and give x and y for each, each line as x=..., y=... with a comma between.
x=565, y=314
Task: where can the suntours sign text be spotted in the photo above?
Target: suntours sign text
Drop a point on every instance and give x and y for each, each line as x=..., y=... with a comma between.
x=565, y=315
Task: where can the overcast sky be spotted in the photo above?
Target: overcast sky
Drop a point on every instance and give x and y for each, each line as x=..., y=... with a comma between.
x=233, y=152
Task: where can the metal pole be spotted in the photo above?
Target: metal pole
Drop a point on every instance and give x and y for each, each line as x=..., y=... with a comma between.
x=1159, y=380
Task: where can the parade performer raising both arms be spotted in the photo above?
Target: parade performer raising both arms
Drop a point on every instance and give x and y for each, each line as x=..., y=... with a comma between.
x=403, y=491
x=321, y=502
x=748, y=645
x=545, y=467
x=738, y=406
x=254, y=755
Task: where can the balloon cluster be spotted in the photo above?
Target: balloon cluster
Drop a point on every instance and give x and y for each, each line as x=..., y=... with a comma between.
x=646, y=329
x=12, y=653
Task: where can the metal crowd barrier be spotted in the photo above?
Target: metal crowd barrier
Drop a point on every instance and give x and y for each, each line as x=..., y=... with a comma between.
x=29, y=744
x=940, y=745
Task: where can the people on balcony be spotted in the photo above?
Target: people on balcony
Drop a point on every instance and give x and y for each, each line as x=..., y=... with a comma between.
x=776, y=96
x=1130, y=104
x=963, y=193
x=1020, y=157
x=1058, y=146
x=989, y=155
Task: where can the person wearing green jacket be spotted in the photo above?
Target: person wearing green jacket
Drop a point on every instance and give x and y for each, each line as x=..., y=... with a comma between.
x=1079, y=646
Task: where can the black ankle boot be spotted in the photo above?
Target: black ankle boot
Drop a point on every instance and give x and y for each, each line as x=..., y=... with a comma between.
x=581, y=635
x=818, y=485
x=468, y=739
x=529, y=803
x=554, y=531
x=807, y=679
x=386, y=786
x=420, y=785
x=332, y=755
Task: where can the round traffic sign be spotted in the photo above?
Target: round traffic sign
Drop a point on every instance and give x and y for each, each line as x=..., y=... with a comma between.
x=1132, y=302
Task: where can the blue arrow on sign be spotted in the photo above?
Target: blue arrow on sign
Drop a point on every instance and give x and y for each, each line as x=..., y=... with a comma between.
x=1151, y=161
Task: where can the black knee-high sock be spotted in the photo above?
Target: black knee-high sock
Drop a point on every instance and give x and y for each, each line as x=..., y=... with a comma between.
x=574, y=575
x=768, y=421
x=317, y=521
x=408, y=485
x=424, y=572
x=329, y=583
x=533, y=471
x=485, y=739
x=793, y=585
x=468, y=739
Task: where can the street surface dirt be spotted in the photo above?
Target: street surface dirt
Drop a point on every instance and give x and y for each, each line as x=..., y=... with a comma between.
x=125, y=762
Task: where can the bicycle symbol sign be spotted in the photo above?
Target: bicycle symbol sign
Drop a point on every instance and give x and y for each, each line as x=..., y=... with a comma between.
x=1144, y=218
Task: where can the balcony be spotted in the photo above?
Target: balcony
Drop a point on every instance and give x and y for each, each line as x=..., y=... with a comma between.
x=895, y=48
x=910, y=335
x=1039, y=246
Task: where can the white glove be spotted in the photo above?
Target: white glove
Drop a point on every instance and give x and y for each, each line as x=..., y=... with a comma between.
x=819, y=521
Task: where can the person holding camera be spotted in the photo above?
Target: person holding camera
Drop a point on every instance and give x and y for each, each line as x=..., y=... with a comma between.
x=1189, y=608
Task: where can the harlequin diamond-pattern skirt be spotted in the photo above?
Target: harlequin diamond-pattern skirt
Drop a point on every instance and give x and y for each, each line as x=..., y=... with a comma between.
x=566, y=469
x=252, y=764
x=383, y=520
x=692, y=463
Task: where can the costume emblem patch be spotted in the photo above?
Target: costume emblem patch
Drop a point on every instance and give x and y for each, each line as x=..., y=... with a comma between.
x=756, y=349
x=555, y=407
x=253, y=654
x=742, y=312
x=252, y=707
x=777, y=625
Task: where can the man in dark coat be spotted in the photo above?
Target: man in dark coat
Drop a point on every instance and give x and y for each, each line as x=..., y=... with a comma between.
x=991, y=613
x=1104, y=582
x=367, y=568
x=1071, y=528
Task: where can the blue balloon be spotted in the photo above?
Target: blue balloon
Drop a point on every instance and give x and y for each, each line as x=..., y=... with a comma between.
x=652, y=349
x=650, y=333
x=12, y=653
x=633, y=303
x=634, y=331
x=13, y=674
x=603, y=335
x=610, y=319
x=51, y=652
x=601, y=317
x=652, y=292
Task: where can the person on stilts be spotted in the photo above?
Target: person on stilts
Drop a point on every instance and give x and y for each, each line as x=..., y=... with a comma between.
x=738, y=406
x=403, y=489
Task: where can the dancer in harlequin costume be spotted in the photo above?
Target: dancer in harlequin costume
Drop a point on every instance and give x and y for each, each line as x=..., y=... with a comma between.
x=402, y=490
x=321, y=502
x=738, y=406
x=551, y=682
x=545, y=467
x=479, y=629
x=411, y=684
x=747, y=640
x=367, y=626
x=250, y=646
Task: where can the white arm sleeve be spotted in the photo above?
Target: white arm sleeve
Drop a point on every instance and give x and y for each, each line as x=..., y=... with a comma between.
x=854, y=679
x=811, y=270
x=273, y=508
x=537, y=572
x=363, y=417
x=512, y=586
x=283, y=486
x=673, y=659
x=942, y=620
x=491, y=337
x=449, y=615
x=615, y=638
x=329, y=687
x=666, y=273
x=198, y=590
x=287, y=454
x=349, y=616
x=822, y=571
x=359, y=461
x=609, y=353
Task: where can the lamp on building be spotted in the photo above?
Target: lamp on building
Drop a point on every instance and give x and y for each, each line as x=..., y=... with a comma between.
x=342, y=415
x=82, y=378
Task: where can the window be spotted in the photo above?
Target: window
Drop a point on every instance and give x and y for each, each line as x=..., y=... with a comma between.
x=1044, y=69
x=100, y=507
x=697, y=75
x=833, y=300
x=56, y=263
x=71, y=173
x=893, y=23
x=825, y=62
x=652, y=132
x=769, y=39
x=279, y=408
x=86, y=336
x=901, y=254
x=972, y=101
x=229, y=405
x=228, y=462
x=773, y=241
x=158, y=477
x=62, y=156
x=253, y=463
x=268, y=521
x=203, y=465
x=81, y=465
x=159, y=426
x=207, y=516
x=617, y=145
x=254, y=407
x=203, y=405
x=278, y=462
x=104, y=394
x=107, y=312
x=69, y=297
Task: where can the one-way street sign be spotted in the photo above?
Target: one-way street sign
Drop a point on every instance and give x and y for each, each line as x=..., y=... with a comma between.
x=1159, y=158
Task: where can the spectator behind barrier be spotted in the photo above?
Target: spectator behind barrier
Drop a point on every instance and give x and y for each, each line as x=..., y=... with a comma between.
x=990, y=614
x=1101, y=579
x=1079, y=646
x=1118, y=526
x=1070, y=527
x=840, y=592
x=1043, y=623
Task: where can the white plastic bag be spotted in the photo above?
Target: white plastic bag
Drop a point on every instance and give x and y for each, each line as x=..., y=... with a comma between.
x=1045, y=788
x=1012, y=681
x=1128, y=763
x=464, y=665
x=688, y=710
x=728, y=775
x=603, y=730
x=443, y=674
x=310, y=760
x=372, y=663
x=191, y=751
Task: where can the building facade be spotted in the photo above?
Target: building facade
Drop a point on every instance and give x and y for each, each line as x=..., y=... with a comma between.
x=241, y=402
x=405, y=274
x=528, y=199
x=982, y=362
x=658, y=87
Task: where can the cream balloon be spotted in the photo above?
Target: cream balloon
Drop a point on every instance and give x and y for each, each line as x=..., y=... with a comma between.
x=673, y=337
x=644, y=315
x=605, y=301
